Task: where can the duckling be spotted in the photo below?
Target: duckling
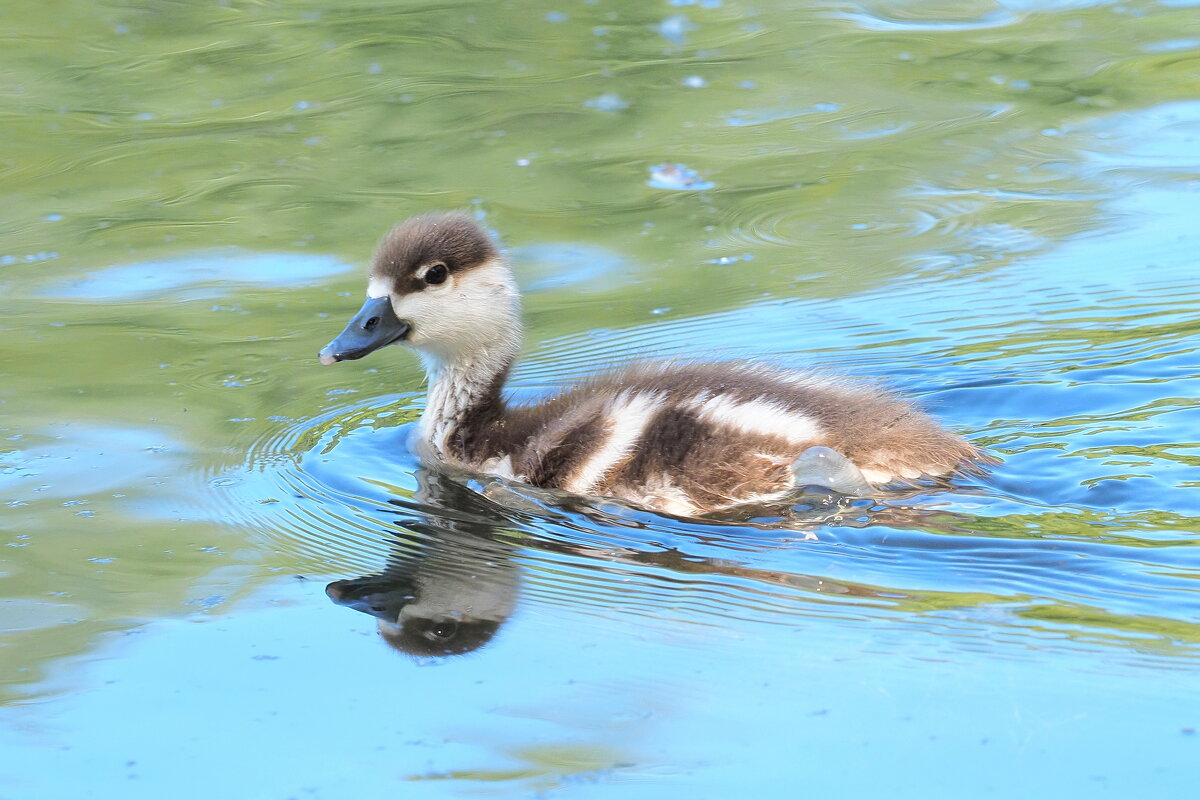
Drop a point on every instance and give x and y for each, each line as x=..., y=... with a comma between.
x=682, y=438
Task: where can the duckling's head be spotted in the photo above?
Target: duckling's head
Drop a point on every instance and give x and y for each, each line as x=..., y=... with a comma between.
x=438, y=285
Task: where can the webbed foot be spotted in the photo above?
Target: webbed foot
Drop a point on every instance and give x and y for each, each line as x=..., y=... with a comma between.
x=825, y=467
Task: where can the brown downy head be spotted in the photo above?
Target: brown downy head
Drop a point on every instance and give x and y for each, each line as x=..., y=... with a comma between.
x=437, y=284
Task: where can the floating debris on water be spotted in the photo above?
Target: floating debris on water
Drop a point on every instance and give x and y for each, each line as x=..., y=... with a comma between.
x=677, y=177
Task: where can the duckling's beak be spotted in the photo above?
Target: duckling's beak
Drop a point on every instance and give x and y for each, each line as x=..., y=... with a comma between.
x=374, y=326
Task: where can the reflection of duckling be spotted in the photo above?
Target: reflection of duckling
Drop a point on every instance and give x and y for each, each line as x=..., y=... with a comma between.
x=453, y=571
x=447, y=590
x=685, y=438
x=437, y=617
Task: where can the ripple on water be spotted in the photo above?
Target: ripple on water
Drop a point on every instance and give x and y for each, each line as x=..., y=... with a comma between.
x=306, y=503
x=1065, y=547
x=1162, y=138
x=759, y=116
x=937, y=17
x=77, y=464
x=343, y=496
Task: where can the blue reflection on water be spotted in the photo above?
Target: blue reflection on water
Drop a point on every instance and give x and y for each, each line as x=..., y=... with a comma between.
x=197, y=277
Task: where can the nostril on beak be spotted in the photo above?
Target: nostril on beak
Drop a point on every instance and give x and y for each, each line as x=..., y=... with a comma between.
x=371, y=323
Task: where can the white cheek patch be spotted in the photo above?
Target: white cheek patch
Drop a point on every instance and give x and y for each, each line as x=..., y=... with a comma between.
x=473, y=315
x=421, y=309
x=378, y=287
x=485, y=289
x=762, y=417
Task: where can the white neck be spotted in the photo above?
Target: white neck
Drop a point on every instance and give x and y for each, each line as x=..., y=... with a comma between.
x=468, y=334
x=453, y=390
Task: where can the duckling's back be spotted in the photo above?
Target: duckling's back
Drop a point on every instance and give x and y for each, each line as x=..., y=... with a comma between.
x=690, y=438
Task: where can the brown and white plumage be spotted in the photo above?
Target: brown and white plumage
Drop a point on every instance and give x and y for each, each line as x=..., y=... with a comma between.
x=685, y=438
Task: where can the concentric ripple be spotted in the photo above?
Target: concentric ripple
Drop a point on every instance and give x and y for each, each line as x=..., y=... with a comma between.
x=341, y=496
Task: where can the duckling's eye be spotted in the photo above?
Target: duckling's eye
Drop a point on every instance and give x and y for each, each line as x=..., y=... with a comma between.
x=435, y=274
x=442, y=630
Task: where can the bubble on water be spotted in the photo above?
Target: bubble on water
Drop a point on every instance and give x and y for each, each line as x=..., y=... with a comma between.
x=674, y=29
x=726, y=260
x=609, y=101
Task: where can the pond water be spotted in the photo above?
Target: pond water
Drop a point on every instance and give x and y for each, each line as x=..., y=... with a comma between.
x=990, y=206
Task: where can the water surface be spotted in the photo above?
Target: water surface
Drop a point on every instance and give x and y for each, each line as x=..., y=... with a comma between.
x=988, y=206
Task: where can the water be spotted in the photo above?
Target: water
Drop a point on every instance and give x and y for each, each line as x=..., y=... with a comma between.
x=989, y=206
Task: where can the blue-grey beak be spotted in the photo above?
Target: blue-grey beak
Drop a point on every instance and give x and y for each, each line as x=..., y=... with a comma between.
x=374, y=326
